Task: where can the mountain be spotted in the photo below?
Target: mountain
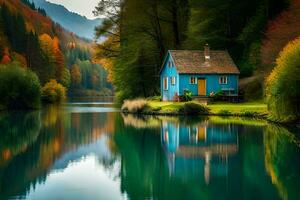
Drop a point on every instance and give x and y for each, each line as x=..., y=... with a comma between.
x=74, y=22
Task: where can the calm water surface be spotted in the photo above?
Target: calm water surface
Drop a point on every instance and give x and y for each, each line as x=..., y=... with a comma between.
x=88, y=150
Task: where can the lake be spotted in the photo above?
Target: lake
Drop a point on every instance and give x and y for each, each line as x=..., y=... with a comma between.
x=88, y=150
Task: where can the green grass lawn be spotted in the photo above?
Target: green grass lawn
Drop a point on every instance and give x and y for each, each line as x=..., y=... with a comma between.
x=239, y=107
x=216, y=108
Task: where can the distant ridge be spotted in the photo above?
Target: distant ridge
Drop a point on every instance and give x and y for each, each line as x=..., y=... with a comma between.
x=71, y=21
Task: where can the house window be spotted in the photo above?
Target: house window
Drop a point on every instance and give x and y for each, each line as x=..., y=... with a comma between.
x=170, y=64
x=166, y=83
x=173, y=80
x=193, y=80
x=223, y=80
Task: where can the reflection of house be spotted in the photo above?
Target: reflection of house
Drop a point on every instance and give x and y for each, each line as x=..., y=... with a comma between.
x=200, y=150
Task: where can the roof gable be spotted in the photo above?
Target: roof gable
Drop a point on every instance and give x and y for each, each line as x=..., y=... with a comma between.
x=194, y=62
x=165, y=62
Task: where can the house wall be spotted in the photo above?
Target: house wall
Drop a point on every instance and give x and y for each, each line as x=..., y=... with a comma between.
x=168, y=95
x=212, y=83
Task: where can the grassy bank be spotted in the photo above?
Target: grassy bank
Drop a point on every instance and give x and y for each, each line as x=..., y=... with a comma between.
x=250, y=109
x=221, y=108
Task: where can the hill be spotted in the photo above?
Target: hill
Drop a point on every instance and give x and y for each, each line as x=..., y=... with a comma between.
x=74, y=22
x=31, y=39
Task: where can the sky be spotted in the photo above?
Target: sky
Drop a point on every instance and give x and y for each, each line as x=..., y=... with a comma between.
x=82, y=7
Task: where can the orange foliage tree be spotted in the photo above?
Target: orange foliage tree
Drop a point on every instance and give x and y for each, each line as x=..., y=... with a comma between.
x=6, y=57
x=59, y=58
x=52, y=49
x=280, y=31
x=47, y=46
x=76, y=76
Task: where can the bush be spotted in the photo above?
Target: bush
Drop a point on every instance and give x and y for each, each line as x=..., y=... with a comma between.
x=218, y=96
x=192, y=108
x=19, y=88
x=187, y=96
x=135, y=106
x=282, y=86
x=53, y=92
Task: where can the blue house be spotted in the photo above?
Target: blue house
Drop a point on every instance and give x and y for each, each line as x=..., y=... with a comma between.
x=201, y=72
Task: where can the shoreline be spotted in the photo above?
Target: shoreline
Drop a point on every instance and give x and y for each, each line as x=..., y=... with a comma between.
x=251, y=110
x=254, y=117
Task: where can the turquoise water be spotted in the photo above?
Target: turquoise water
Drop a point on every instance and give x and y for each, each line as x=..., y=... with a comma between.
x=88, y=150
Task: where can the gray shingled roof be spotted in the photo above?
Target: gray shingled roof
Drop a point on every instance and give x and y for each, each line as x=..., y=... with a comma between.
x=193, y=62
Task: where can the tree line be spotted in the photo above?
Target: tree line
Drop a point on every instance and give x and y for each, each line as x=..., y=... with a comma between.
x=139, y=33
x=51, y=55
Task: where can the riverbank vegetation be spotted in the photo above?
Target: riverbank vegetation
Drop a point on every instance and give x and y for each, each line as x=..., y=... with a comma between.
x=53, y=92
x=139, y=33
x=19, y=88
x=142, y=106
x=283, y=91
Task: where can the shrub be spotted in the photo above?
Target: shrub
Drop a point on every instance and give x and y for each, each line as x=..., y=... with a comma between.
x=218, y=96
x=134, y=106
x=187, y=96
x=193, y=108
x=19, y=88
x=53, y=92
x=282, y=86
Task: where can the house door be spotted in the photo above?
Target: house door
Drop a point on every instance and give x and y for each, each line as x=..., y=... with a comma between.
x=201, y=87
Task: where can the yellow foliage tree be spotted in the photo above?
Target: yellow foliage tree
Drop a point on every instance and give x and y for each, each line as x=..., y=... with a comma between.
x=53, y=92
x=282, y=86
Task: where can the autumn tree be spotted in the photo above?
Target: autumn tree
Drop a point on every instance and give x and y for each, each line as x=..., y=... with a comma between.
x=76, y=76
x=59, y=59
x=6, y=57
x=138, y=35
x=282, y=86
x=37, y=60
x=280, y=31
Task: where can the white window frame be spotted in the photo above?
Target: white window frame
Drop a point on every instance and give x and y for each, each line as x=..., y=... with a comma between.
x=166, y=86
x=193, y=82
x=223, y=80
x=173, y=80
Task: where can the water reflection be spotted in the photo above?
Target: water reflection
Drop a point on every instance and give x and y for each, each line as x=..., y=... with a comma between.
x=18, y=131
x=60, y=153
x=200, y=150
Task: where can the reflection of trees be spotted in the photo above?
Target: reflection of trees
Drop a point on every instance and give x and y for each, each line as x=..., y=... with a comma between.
x=61, y=133
x=282, y=163
x=140, y=159
x=145, y=171
x=18, y=131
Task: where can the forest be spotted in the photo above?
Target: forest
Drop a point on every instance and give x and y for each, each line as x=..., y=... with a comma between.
x=140, y=32
x=58, y=58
